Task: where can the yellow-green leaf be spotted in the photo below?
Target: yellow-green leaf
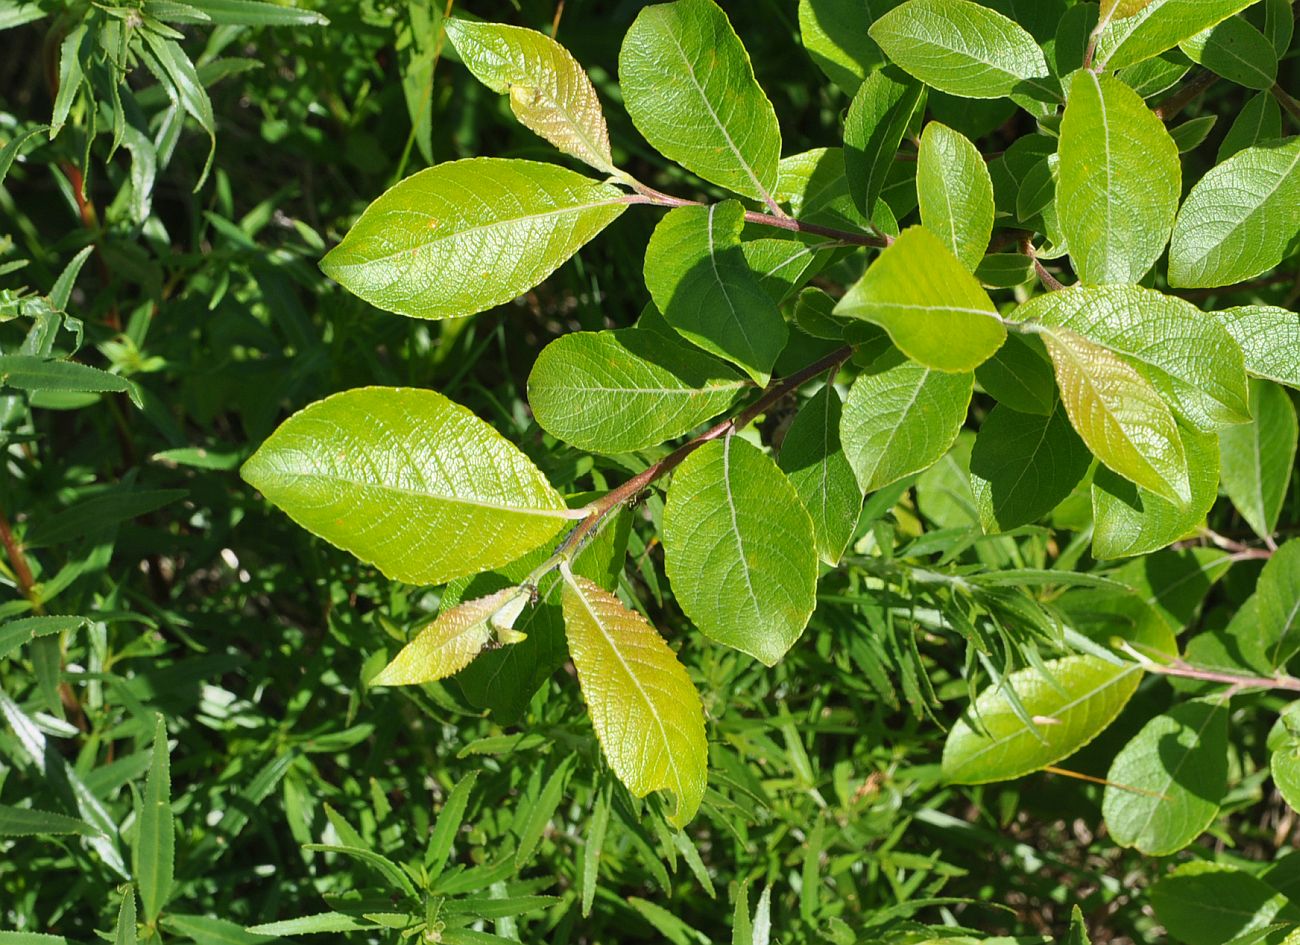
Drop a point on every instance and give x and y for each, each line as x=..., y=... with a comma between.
x=452, y=641
x=647, y=715
x=549, y=92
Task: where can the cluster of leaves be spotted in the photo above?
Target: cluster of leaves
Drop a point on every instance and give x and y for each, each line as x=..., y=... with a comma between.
x=938, y=518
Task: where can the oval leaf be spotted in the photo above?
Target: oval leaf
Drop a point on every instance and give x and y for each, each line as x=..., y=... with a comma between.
x=689, y=86
x=615, y=391
x=900, y=419
x=935, y=311
x=813, y=459
x=1237, y=51
x=1118, y=181
x=1259, y=457
x=549, y=92
x=739, y=549
x=1160, y=25
x=698, y=277
x=407, y=481
x=646, y=713
x=962, y=47
x=1269, y=336
x=876, y=121
x=955, y=193
x=1239, y=218
x=461, y=237
x=1167, y=782
x=993, y=741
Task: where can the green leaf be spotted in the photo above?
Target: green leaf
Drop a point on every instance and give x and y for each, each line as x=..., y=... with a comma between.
x=963, y=48
x=539, y=814
x=1204, y=903
x=461, y=237
x=1175, y=582
x=1078, y=934
x=447, y=826
x=447, y=645
x=815, y=185
x=254, y=13
x=813, y=460
x=29, y=822
x=1119, y=181
x=17, y=632
x=1189, y=135
x=688, y=84
x=1239, y=218
x=616, y=391
x=1166, y=784
x=1119, y=414
x=900, y=419
x=407, y=481
x=1269, y=337
x=782, y=266
x=933, y=308
x=876, y=121
x=1279, y=25
x=1235, y=50
x=1277, y=629
x=832, y=33
x=1160, y=25
x=994, y=742
x=70, y=77
x=312, y=924
x=739, y=549
x=699, y=279
x=174, y=68
x=1259, y=457
x=125, y=933
x=1260, y=119
x=647, y=715
x=1019, y=375
x=1023, y=466
x=955, y=193
x=9, y=153
x=155, y=843
x=207, y=930
x=1128, y=520
x=1196, y=367
x=100, y=513
x=549, y=92
x=28, y=372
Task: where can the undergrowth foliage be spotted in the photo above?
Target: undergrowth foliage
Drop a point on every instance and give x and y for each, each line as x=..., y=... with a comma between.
x=953, y=446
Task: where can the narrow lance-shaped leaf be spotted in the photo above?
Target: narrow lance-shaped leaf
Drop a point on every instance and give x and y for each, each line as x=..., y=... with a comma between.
x=739, y=549
x=1160, y=25
x=1119, y=414
x=549, y=92
x=1118, y=181
x=155, y=843
x=689, y=86
x=992, y=742
x=407, y=481
x=934, y=309
x=1239, y=218
x=1259, y=457
x=698, y=277
x=1165, y=785
x=955, y=193
x=963, y=48
x=451, y=641
x=615, y=391
x=461, y=237
x=646, y=713
x=899, y=419
x=813, y=459
x=1196, y=366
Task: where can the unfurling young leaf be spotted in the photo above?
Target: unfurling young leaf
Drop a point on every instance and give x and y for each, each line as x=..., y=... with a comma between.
x=739, y=549
x=461, y=237
x=688, y=84
x=407, y=481
x=933, y=308
x=646, y=713
x=549, y=92
x=451, y=642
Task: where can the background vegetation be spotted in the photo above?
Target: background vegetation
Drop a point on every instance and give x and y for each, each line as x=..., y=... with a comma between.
x=191, y=274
